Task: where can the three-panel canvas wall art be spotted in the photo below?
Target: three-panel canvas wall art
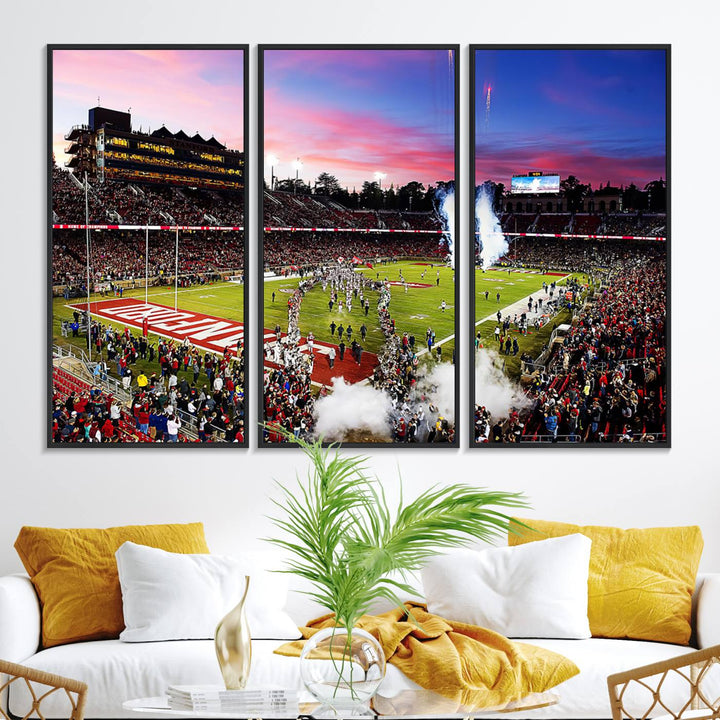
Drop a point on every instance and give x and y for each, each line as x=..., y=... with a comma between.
x=355, y=249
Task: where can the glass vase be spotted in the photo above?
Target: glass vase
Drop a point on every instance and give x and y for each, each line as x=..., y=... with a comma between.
x=342, y=670
x=233, y=645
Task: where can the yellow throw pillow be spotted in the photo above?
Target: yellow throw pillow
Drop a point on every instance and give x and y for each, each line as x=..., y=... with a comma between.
x=641, y=580
x=76, y=578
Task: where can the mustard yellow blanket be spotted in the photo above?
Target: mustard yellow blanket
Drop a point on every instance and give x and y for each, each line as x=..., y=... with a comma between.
x=469, y=665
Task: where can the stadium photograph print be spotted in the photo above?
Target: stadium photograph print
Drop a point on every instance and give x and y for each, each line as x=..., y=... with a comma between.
x=146, y=245
x=357, y=279
x=569, y=326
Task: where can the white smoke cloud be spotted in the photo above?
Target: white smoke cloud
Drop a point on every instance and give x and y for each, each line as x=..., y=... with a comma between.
x=493, y=389
x=352, y=407
x=439, y=387
x=446, y=209
x=492, y=241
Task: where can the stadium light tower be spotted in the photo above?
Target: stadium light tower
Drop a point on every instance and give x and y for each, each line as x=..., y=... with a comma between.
x=272, y=161
x=87, y=255
x=298, y=166
x=380, y=176
x=147, y=259
x=177, y=256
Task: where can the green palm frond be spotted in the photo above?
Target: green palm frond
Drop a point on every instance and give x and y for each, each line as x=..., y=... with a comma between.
x=345, y=540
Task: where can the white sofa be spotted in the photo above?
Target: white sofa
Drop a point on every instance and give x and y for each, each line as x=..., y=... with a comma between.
x=116, y=671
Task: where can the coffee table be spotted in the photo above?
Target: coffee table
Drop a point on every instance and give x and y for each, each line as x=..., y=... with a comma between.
x=406, y=705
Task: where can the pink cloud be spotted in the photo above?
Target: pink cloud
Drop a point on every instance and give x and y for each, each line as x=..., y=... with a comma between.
x=353, y=146
x=586, y=165
x=184, y=89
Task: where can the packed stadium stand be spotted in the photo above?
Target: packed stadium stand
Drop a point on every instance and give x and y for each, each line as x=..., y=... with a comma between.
x=120, y=255
x=119, y=202
x=285, y=209
x=605, y=381
x=306, y=249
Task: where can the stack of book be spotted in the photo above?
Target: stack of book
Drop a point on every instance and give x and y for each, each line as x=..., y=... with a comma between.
x=251, y=702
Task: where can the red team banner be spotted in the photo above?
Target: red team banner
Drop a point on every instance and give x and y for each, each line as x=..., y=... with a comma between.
x=147, y=227
x=339, y=229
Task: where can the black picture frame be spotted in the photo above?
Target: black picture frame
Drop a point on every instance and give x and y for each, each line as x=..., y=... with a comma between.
x=247, y=169
x=260, y=337
x=663, y=440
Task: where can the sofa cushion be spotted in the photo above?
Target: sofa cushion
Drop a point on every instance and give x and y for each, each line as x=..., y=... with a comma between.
x=117, y=671
x=75, y=574
x=534, y=590
x=19, y=618
x=641, y=580
x=183, y=596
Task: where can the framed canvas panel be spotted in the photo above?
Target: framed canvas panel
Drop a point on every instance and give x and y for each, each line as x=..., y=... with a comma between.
x=147, y=250
x=358, y=225
x=569, y=279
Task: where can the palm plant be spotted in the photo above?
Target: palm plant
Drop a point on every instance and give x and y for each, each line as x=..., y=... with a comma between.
x=345, y=540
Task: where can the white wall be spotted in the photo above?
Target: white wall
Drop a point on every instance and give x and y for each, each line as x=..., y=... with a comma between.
x=227, y=489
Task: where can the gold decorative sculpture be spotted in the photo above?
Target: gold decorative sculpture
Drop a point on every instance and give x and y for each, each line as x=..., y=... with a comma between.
x=233, y=646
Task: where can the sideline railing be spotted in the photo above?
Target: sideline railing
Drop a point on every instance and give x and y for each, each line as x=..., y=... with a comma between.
x=102, y=379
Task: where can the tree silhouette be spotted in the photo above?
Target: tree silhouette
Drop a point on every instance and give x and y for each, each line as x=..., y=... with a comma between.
x=574, y=192
x=656, y=195
x=326, y=184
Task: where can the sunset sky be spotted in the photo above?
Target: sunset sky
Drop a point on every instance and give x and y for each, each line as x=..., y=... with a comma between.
x=353, y=113
x=192, y=90
x=595, y=114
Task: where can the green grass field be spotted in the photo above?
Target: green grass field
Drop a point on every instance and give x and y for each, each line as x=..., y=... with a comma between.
x=224, y=300
x=413, y=311
x=512, y=288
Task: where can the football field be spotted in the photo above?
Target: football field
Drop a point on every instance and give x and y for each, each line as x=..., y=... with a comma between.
x=414, y=310
x=222, y=301
x=514, y=288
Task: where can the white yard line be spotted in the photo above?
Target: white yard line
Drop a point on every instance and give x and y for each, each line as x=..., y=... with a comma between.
x=518, y=306
x=425, y=351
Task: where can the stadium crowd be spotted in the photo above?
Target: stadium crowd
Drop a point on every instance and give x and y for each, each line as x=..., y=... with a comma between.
x=212, y=400
x=120, y=255
x=283, y=249
x=287, y=392
x=82, y=413
x=287, y=389
x=576, y=254
x=116, y=202
x=635, y=224
x=399, y=374
x=639, y=224
x=606, y=381
x=285, y=209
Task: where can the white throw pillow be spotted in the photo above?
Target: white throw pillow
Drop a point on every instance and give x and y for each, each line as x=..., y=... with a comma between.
x=536, y=590
x=176, y=596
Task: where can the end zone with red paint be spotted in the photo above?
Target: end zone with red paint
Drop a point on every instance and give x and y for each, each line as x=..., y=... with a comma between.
x=215, y=334
x=204, y=331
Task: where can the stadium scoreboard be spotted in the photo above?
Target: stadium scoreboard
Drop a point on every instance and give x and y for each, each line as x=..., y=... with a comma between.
x=535, y=182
